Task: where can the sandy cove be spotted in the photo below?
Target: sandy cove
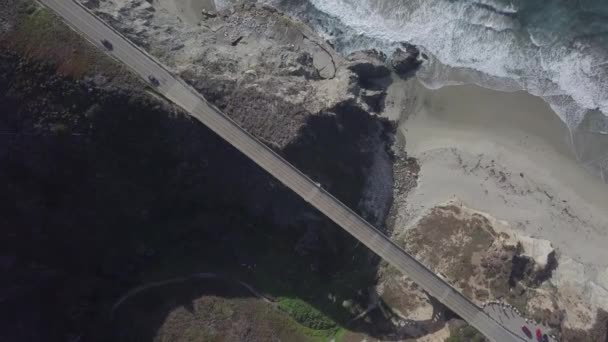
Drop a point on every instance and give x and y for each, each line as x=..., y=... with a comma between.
x=508, y=155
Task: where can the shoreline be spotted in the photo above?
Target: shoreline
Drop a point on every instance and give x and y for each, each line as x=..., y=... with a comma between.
x=506, y=154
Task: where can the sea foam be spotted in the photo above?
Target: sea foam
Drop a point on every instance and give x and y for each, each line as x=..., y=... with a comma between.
x=505, y=45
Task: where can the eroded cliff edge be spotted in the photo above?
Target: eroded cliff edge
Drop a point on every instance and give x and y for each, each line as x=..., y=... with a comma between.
x=109, y=186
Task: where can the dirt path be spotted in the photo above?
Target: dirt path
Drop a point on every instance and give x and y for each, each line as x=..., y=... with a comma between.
x=195, y=276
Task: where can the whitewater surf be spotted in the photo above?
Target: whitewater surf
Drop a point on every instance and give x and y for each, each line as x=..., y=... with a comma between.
x=556, y=49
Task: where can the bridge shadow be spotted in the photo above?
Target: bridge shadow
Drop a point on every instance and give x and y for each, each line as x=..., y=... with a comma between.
x=292, y=254
x=120, y=190
x=208, y=308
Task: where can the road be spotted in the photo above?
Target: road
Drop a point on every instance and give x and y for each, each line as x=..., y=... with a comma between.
x=177, y=91
x=510, y=317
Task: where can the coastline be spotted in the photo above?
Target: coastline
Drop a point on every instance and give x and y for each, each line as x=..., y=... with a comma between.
x=508, y=155
x=480, y=186
x=504, y=154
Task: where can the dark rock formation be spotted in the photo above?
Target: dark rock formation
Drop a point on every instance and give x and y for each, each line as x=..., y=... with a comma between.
x=374, y=99
x=525, y=269
x=405, y=62
x=368, y=64
x=107, y=184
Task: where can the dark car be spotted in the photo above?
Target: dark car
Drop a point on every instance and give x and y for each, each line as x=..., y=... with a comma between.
x=545, y=338
x=526, y=331
x=107, y=44
x=153, y=80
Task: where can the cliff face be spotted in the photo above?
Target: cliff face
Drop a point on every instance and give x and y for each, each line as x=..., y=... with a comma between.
x=109, y=186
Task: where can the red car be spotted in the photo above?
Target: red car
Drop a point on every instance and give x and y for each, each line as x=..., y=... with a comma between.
x=539, y=335
x=526, y=331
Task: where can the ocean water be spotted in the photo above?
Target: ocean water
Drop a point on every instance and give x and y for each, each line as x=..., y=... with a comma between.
x=555, y=49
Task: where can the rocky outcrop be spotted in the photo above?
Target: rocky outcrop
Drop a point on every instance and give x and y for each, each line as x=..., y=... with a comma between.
x=107, y=184
x=368, y=64
x=405, y=61
x=267, y=71
x=488, y=260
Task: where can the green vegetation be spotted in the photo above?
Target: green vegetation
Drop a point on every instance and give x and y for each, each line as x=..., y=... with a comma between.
x=142, y=196
x=465, y=334
x=518, y=298
x=212, y=310
x=281, y=274
x=305, y=314
x=40, y=34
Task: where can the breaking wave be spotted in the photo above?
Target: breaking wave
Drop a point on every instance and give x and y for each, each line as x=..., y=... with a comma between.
x=557, y=50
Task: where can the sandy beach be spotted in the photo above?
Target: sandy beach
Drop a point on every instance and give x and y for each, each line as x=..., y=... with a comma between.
x=508, y=155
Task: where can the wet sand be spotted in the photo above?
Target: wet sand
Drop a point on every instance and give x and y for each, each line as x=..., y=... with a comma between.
x=509, y=155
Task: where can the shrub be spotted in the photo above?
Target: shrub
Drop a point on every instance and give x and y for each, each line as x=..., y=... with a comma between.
x=305, y=314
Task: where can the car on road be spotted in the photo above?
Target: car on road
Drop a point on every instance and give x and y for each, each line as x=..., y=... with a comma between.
x=539, y=335
x=545, y=338
x=526, y=331
x=107, y=44
x=153, y=80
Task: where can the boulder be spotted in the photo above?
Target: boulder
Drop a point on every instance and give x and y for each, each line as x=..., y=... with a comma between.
x=405, y=61
x=368, y=64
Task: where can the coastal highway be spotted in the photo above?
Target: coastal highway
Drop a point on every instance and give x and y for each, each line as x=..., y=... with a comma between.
x=177, y=91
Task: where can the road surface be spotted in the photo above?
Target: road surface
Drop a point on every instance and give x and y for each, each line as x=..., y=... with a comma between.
x=511, y=318
x=177, y=91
